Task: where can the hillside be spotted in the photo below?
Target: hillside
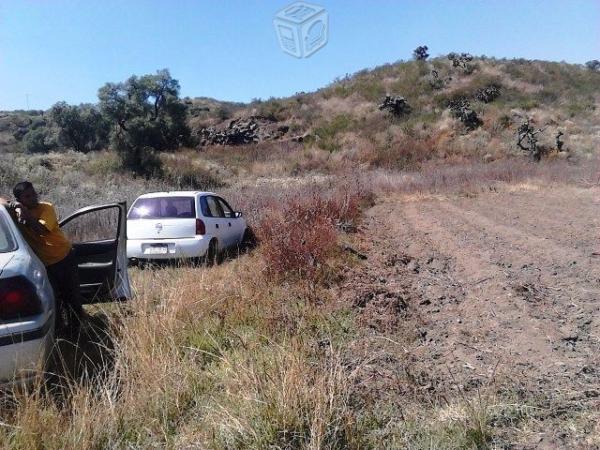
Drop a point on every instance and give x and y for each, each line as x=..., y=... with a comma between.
x=341, y=126
x=419, y=280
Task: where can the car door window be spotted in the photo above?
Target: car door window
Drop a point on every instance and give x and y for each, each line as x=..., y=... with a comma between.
x=100, y=225
x=214, y=209
x=227, y=211
x=98, y=237
x=204, y=207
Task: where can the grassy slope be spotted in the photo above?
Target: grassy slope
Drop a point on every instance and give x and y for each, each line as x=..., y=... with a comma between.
x=345, y=128
x=348, y=128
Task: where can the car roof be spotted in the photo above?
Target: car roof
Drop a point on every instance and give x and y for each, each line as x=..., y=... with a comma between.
x=175, y=194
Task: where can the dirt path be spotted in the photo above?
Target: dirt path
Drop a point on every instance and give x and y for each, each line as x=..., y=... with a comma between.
x=502, y=284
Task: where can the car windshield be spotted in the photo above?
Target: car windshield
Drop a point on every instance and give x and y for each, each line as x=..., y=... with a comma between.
x=7, y=241
x=163, y=208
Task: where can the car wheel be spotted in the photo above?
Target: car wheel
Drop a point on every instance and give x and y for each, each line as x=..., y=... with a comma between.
x=249, y=240
x=211, y=257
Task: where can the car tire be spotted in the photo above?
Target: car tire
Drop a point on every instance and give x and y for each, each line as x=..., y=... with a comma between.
x=249, y=240
x=212, y=254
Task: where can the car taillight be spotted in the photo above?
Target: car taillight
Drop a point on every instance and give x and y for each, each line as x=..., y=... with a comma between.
x=200, y=227
x=18, y=299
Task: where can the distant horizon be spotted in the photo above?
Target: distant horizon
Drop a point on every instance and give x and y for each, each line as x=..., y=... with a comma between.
x=66, y=50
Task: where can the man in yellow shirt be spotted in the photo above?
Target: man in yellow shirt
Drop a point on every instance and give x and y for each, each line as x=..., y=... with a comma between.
x=38, y=224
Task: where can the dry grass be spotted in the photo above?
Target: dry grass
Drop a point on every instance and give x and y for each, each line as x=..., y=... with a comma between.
x=210, y=358
x=218, y=358
x=474, y=177
x=253, y=353
x=250, y=354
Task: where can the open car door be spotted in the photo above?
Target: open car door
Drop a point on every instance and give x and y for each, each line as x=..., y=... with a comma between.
x=98, y=234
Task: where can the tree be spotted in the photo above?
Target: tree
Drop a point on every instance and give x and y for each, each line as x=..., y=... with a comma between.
x=488, y=94
x=81, y=127
x=148, y=117
x=559, y=142
x=593, y=65
x=420, y=53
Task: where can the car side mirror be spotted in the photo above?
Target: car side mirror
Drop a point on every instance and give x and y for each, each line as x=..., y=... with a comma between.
x=237, y=214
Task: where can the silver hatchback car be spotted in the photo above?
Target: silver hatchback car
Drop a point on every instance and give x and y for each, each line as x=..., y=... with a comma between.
x=27, y=305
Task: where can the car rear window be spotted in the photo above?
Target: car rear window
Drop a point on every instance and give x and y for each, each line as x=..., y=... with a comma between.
x=163, y=208
x=7, y=241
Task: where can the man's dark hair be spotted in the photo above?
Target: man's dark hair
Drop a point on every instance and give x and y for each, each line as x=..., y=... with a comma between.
x=20, y=188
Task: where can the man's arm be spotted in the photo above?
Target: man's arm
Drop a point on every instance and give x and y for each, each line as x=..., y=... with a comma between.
x=25, y=217
x=6, y=203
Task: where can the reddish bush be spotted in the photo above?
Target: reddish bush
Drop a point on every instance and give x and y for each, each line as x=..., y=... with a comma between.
x=298, y=238
x=299, y=233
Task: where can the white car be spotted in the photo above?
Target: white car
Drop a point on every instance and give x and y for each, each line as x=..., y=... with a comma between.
x=182, y=224
x=27, y=307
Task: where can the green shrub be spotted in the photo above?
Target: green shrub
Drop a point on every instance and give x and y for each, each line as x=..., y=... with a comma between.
x=8, y=175
x=82, y=128
x=223, y=113
x=370, y=89
x=272, y=109
x=326, y=134
x=186, y=175
x=579, y=107
x=38, y=141
x=37, y=122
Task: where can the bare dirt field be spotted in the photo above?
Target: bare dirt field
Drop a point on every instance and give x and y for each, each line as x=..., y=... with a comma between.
x=491, y=298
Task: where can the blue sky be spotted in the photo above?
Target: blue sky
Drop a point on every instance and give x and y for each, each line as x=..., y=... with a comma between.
x=55, y=50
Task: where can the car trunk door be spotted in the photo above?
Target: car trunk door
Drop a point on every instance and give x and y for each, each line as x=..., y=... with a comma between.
x=98, y=234
x=162, y=217
x=4, y=260
x=161, y=228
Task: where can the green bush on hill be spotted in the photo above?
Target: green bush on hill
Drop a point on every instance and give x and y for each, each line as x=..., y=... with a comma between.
x=38, y=140
x=326, y=135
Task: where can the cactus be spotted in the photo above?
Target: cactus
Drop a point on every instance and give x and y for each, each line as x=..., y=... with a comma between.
x=488, y=94
x=461, y=109
x=420, y=53
x=397, y=106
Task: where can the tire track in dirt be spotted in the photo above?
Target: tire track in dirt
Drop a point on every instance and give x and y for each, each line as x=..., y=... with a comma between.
x=487, y=292
x=567, y=279
x=573, y=264
x=488, y=311
x=563, y=216
x=560, y=235
x=461, y=294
